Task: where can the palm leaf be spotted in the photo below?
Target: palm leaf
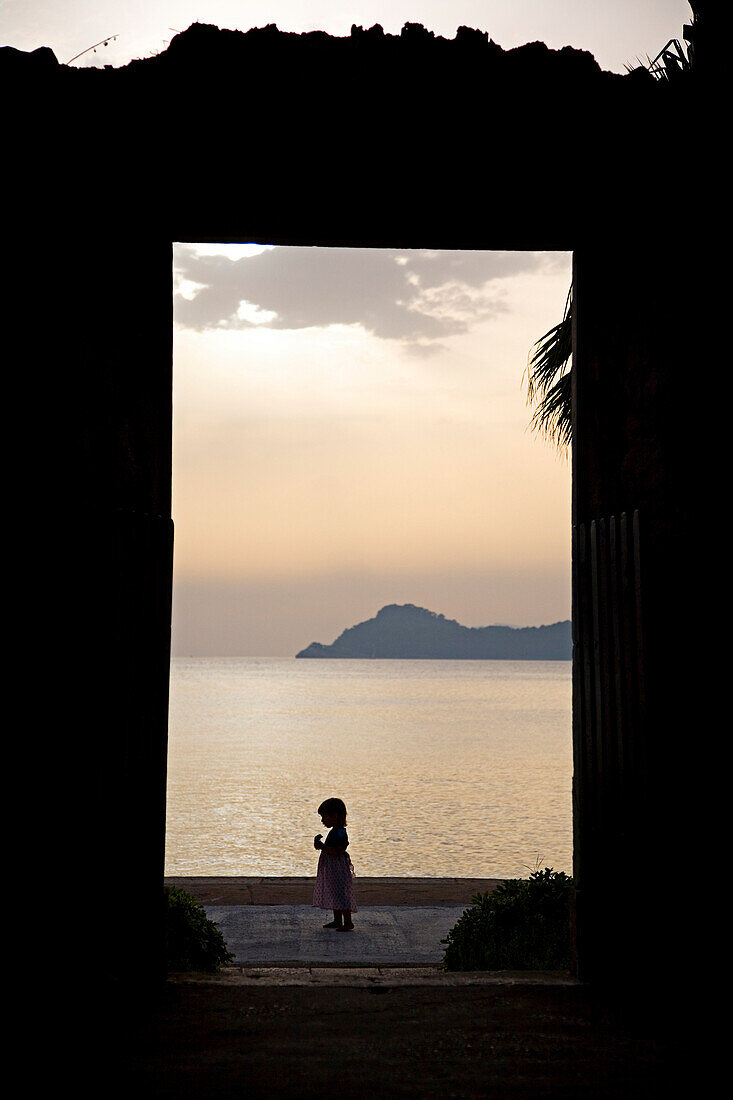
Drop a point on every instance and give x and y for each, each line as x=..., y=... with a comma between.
x=552, y=416
x=548, y=379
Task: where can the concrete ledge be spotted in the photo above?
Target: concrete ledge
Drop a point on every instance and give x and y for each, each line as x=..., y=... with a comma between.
x=224, y=890
x=384, y=977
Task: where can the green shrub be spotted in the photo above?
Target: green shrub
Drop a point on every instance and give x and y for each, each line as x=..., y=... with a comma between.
x=193, y=942
x=522, y=925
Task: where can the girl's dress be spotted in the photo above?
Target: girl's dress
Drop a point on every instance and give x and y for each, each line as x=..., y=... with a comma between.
x=335, y=875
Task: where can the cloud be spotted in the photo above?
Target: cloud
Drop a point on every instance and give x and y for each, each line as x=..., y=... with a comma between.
x=417, y=297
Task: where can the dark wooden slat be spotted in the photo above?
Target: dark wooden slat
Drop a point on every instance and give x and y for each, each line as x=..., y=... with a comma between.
x=608, y=731
x=609, y=794
x=597, y=731
x=620, y=721
x=586, y=731
x=639, y=664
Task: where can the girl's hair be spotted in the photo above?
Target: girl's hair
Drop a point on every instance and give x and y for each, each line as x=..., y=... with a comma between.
x=334, y=806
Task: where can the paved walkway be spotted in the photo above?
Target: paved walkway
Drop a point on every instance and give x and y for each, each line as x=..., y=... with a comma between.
x=277, y=937
x=293, y=935
x=271, y=922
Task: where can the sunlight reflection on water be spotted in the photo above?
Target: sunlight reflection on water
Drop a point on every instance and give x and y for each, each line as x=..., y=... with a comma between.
x=448, y=768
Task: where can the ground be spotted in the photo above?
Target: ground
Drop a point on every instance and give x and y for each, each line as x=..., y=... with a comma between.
x=315, y=1032
x=223, y=1039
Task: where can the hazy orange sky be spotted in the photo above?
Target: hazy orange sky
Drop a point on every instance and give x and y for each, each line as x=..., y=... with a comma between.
x=350, y=430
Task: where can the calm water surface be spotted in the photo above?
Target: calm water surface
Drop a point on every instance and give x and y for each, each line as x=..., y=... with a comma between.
x=447, y=767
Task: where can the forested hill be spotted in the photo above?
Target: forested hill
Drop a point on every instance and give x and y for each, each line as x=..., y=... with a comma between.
x=405, y=631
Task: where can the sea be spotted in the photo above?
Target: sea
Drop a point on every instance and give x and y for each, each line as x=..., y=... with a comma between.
x=447, y=768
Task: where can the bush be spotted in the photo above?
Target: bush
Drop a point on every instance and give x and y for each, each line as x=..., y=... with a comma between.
x=522, y=925
x=193, y=942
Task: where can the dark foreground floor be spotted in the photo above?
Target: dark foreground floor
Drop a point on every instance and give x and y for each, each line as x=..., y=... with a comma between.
x=216, y=1041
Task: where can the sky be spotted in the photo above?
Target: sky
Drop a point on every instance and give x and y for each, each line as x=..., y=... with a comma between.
x=351, y=430
x=616, y=32
x=350, y=426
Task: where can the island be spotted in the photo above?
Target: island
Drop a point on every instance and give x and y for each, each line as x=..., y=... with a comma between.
x=406, y=632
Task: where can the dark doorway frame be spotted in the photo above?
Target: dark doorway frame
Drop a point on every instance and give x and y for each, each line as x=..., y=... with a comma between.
x=345, y=158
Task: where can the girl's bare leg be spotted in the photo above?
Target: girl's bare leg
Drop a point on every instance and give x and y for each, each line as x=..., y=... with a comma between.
x=337, y=919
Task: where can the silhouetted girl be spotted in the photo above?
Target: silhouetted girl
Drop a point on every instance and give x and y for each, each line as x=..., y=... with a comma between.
x=335, y=876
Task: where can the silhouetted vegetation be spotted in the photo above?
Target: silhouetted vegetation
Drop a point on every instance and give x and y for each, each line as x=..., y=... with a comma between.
x=548, y=374
x=193, y=942
x=522, y=925
x=549, y=383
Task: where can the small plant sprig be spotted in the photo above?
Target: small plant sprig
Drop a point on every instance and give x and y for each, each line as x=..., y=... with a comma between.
x=102, y=42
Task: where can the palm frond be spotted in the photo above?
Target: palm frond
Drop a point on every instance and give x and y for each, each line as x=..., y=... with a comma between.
x=552, y=416
x=548, y=380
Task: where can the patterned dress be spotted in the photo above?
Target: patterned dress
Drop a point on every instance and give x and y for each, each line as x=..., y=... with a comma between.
x=335, y=875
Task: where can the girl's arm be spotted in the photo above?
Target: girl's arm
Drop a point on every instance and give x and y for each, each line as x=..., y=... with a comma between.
x=336, y=842
x=330, y=849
